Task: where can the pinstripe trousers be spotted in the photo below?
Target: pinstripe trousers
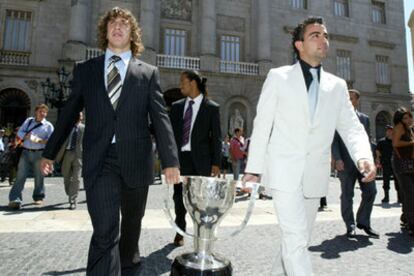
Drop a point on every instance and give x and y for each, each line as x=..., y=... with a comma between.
x=110, y=252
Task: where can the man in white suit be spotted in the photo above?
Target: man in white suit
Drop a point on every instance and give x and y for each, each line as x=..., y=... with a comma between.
x=300, y=107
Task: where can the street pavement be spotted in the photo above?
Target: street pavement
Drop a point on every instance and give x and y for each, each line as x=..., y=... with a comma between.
x=52, y=240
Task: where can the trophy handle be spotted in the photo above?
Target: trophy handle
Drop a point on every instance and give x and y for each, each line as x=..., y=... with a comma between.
x=253, y=195
x=167, y=212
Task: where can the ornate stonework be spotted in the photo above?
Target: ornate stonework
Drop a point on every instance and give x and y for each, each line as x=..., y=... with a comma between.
x=176, y=9
x=231, y=23
x=32, y=84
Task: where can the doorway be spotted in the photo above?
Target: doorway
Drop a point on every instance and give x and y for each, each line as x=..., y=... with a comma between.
x=14, y=107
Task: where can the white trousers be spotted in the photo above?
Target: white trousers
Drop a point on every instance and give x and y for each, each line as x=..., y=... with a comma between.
x=296, y=216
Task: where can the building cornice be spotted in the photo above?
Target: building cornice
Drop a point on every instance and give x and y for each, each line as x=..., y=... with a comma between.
x=381, y=44
x=344, y=38
x=337, y=37
x=387, y=97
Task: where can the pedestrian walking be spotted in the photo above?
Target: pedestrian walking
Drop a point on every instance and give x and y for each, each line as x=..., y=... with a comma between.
x=34, y=134
x=237, y=153
x=299, y=108
x=348, y=174
x=403, y=162
x=384, y=151
x=70, y=156
x=196, y=124
x=119, y=93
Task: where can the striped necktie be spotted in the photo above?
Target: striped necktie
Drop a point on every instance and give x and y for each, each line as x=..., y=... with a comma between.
x=313, y=92
x=114, y=81
x=188, y=115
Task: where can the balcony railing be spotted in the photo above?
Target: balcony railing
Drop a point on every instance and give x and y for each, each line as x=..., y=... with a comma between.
x=93, y=53
x=235, y=67
x=178, y=62
x=14, y=57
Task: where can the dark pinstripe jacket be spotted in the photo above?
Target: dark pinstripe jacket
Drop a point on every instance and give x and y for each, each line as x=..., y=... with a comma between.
x=339, y=150
x=140, y=99
x=205, y=136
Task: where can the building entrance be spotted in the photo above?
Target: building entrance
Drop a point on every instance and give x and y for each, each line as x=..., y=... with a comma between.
x=14, y=107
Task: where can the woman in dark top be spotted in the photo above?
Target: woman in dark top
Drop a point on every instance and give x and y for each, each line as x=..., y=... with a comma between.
x=403, y=143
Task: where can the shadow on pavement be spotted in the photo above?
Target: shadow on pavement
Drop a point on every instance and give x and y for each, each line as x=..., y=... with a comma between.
x=242, y=198
x=388, y=205
x=30, y=207
x=400, y=242
x=332, y=249
x=157, y=262
x=65, y=272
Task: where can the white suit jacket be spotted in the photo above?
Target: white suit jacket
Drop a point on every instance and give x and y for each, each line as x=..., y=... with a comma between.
x=290, y=150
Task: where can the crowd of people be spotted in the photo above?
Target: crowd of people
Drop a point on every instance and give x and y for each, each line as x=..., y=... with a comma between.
x=301, y=110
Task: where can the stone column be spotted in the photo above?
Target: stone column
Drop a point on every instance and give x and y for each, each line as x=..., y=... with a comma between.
x=75, y=47
x=263, y=35
x=149, y=22
x=208, y=59
x=411, y=25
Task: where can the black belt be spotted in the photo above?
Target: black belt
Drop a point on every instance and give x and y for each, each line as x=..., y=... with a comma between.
x=32, y=149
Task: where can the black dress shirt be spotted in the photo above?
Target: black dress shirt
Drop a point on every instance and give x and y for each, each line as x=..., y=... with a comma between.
x=307, y=74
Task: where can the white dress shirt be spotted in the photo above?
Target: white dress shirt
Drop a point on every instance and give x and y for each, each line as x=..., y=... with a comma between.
x=121, y=65
x=196, y=107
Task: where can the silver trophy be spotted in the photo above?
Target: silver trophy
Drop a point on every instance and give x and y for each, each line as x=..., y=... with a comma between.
x=207, y=201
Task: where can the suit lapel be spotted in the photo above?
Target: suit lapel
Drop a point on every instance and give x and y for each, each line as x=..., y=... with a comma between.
x=199, y=115
x=324, y=86
x=132, y=71
x=99, y=75
x=298, y=85
x=180, y=119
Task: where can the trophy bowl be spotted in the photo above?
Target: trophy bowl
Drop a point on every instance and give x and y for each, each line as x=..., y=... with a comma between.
x=207, y=200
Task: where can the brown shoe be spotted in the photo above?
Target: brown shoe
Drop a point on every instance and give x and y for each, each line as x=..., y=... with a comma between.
x=38, y=202
x=178, y=240
x=15, y=205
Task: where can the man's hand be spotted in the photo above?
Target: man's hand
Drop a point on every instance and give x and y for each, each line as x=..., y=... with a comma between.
x=215, y=171
x=172, y=175
x=368, y=169
x=339, y=165
x=46, y=166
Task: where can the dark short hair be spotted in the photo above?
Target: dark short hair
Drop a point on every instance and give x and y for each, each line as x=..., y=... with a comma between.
x=194, y=75
x=299, y=32
x=237, y=130
x=356, y=92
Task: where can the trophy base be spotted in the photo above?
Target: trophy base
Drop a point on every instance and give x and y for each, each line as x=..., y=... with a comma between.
x=184, y=265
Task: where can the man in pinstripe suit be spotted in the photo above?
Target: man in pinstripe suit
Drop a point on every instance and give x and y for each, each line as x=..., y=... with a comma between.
x=119, y=93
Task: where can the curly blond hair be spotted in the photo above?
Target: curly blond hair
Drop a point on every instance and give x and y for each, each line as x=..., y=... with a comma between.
x=136, y=43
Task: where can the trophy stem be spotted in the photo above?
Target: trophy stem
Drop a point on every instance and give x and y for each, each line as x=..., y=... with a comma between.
x=204, y=238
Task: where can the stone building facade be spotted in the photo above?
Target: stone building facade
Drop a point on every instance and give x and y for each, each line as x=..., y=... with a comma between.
x=232, y=42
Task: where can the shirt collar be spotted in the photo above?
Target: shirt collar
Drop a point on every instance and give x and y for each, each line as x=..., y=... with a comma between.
x=196, y=100
x=42, y=121
x=125, y=56
x=306, y=66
